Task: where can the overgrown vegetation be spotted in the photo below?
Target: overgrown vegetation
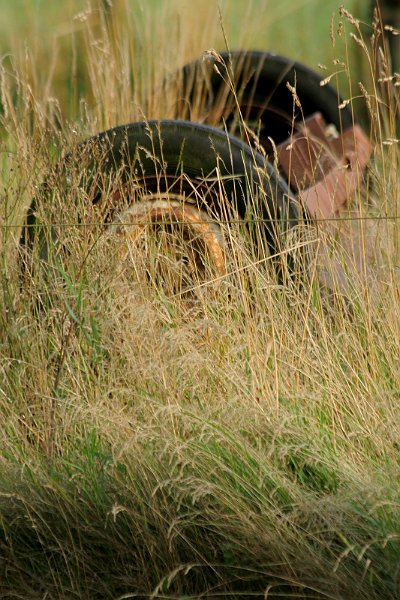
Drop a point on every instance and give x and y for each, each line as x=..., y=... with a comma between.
x=241, y=444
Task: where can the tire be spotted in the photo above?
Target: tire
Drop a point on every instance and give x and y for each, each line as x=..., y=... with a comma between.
x=260, y=82
x=389, y=13
x=155, y=158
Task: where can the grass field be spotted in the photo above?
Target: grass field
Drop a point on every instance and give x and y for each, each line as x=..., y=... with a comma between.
x=243, y=445
x=49, y=40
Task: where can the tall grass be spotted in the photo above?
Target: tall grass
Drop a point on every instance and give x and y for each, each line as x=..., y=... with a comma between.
x=243, y=444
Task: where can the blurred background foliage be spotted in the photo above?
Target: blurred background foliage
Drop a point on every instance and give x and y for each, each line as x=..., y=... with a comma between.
x=299, y=28
x=50, y=43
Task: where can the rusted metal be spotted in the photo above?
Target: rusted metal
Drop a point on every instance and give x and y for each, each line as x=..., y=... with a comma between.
x=323, y=165
x=196, y=229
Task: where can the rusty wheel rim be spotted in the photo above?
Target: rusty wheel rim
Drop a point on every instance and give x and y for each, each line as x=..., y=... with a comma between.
x=182, y=246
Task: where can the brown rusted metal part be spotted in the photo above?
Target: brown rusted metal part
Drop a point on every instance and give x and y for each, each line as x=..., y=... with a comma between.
x=171, y=209
x=323, y=165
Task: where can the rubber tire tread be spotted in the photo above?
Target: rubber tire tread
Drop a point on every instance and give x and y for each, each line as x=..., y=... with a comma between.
x=197, y=150
x=275, y=72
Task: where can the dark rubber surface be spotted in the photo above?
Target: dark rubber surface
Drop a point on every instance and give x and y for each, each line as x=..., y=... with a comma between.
x=155, y=152
x=197, y=151
x=261, y=79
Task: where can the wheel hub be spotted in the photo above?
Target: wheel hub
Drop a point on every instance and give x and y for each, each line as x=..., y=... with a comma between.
x=182, y=245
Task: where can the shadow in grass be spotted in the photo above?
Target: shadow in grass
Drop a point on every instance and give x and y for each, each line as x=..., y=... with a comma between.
x=220, y=518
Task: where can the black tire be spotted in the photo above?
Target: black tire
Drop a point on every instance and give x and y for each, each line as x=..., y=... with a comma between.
x=389, y=13
x=260, y=81
x=170, y=155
